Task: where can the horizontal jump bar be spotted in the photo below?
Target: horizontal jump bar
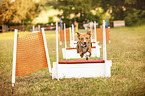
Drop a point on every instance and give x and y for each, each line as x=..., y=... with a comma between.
x=92, y=42
x=69, y=48
x=81, y=61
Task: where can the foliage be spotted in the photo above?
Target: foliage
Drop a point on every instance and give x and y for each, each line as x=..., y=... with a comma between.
x=130, y=10
x=76, y=10
x=132, y=17
x=24, y=11
x=115, y=8
x=118, y=9
x=50, y=19
x=18, y=11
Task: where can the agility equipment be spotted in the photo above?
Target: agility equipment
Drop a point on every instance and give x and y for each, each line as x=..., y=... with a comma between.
x=30, y=54
x=62, y=37
x=73, y=43
x=35, y=29
x=69, y=36
x=98, y=32
x=85, y=68
x=106, y=22
x=76, y=27
x=71, y=53
x=61, y=32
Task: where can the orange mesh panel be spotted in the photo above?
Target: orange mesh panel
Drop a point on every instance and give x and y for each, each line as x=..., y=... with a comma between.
x=108, y=34
x=67, y=35
x=31, y=54
x=62, y=35
x=99, y=33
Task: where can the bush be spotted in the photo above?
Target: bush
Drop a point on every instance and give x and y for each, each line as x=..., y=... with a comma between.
x=135, y=17
x=132, y=17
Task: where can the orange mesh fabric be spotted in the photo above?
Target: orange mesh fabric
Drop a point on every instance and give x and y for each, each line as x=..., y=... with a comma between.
x=31, y=54
x=62, y=35
x=67, y=35
x=99, y=33
x=107, y=34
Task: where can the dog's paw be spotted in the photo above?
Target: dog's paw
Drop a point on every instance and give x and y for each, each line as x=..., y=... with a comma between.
x=81, y=54
x=77, y=51
x=86, y=58
x=90, y=54
x=87, y=54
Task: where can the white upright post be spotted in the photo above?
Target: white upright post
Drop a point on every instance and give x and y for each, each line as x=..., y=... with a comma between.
x=39, y=27
x=57, y=50
x=104, y=42
x=65, y=36
x=73, y=33
x=33, y=28
x=95, y=31
x=14, y=58
x=46, y=50
x=109, y=40
x=57, y=42
x=70, y=35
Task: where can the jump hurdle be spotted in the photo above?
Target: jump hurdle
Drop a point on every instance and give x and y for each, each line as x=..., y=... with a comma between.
x=30, y=54
x=69, y=36
x=35, y=29
x=78, y=69
x=71, y=52
x=62, y=37
x=98, y=33
x=94, y=41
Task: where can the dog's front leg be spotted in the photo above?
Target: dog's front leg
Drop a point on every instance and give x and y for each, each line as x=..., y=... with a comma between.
x=90, y=49
x=81, y=54
x=78, y=48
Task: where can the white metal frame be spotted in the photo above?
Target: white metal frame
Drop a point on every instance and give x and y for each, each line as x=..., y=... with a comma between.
x=14, y=58
x=72, y=53
x=15, y=50
x=96, y=33
x=82, y=70
x=33, y=29
x=46, y=50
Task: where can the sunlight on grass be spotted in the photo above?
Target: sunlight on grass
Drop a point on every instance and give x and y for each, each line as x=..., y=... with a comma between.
x=126, y=50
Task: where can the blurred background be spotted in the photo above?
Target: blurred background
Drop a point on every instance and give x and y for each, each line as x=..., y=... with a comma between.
x=23, y=14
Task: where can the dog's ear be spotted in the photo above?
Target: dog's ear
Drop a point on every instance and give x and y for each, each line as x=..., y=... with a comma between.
x=89, y=32
x=78, y=34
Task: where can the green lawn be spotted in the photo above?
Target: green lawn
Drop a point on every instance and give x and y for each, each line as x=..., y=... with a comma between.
x=126, y=50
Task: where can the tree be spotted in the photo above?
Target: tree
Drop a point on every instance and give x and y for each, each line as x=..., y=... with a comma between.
x=115, y=7
x=20, y=11
x=128, y=10
x=76, y=9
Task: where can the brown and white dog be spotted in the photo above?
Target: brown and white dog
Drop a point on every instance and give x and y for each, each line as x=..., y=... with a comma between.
x=84, y=44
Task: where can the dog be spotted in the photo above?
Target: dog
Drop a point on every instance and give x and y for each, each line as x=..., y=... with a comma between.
x=84, y=44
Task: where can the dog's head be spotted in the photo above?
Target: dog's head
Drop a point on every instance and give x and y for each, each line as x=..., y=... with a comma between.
x=84, y=39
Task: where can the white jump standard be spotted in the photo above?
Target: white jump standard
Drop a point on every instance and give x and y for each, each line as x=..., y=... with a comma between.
x=84, y=68
x=30, y=54
x=71, y=52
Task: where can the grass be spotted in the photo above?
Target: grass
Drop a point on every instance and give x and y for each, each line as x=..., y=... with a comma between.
x=126, y=50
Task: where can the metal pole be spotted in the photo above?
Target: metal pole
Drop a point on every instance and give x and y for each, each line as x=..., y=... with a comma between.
x=104, y=42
